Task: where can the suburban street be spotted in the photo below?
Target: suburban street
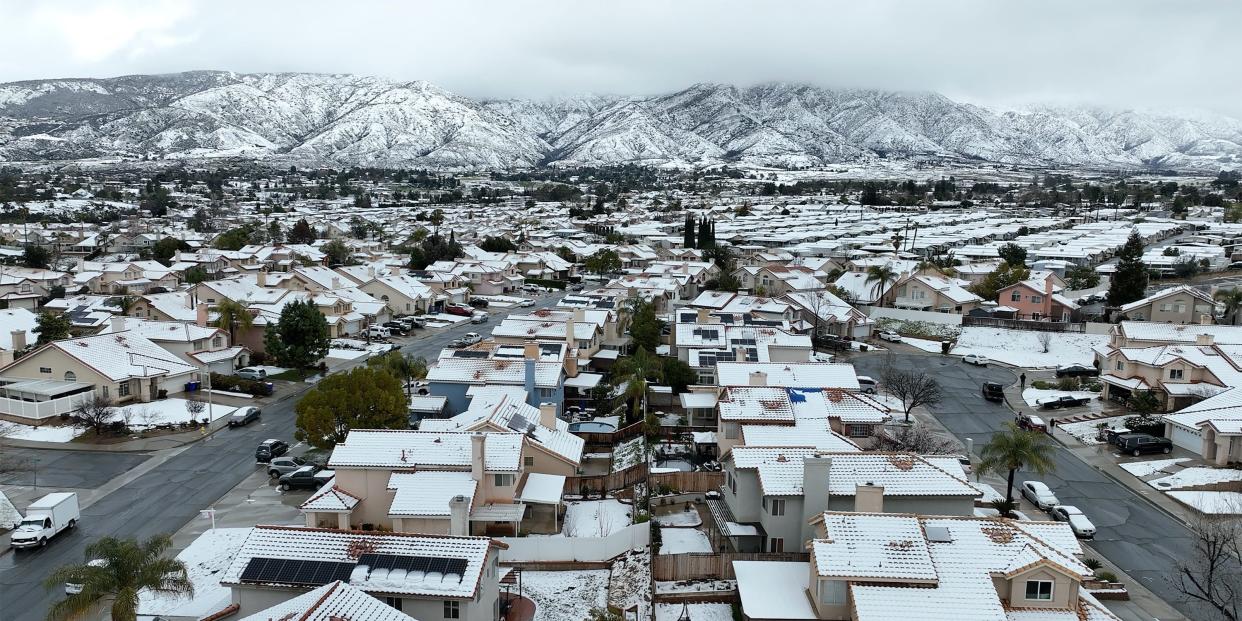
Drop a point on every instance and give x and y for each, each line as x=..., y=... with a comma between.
x=1132, y=533
x=170, y=495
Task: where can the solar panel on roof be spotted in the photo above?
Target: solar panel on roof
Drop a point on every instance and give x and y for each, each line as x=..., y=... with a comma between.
x=423, y=564
x=295, y=571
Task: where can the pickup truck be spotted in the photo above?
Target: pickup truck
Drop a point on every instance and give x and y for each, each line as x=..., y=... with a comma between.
x=306, y=477
x=1062, y=401
x=45, y=518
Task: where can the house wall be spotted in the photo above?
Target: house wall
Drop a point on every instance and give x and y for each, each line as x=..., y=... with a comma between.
x=454, y=394
x=1064, y=590
x=542, y=461
x=371, y=486
x=1180, y=308
x=745, y=501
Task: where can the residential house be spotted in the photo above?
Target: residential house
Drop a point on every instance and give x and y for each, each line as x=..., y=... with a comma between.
x=1037, y=300
x=539, y=368
x=934, y=293
x=1180, y=304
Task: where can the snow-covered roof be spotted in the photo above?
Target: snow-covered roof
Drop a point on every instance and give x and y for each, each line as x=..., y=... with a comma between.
x=120, y=356
x=331, y=602
x=427, y=493
x=774, y=589
x=789, y=374
x=408, y=448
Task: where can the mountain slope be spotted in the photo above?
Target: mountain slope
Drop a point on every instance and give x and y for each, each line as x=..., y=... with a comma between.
x=359, y=120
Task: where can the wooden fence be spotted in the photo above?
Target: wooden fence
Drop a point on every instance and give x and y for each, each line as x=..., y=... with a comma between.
x=1024, y=324
x=600, y=483
x=686, y=481
x=609, y=438
x=695, y=565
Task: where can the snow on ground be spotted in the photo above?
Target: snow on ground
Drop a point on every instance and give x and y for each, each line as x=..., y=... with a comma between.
x=166, y=411
x=1087, y=430
x=630, y=583
x=892, y=402
x=698, y=612
x=1146, y=468
x=923, y=344
x=682, y=540
x=271, y=370
x=347, y=354
x=1022, y=348
x=596, y=518
x=565, y=595
x=206, y=559
x=628, y=453
x=1032, y=396
x=1214, y=503
x=44, y=433
x=696, y=586
x=680, y=518
x=1194, y=477
x=9, y=515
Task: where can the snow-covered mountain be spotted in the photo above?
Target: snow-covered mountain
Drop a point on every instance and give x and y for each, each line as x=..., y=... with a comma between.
x=359, y=120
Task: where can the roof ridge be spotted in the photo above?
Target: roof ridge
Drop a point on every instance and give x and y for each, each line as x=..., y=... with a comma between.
x=319, y=602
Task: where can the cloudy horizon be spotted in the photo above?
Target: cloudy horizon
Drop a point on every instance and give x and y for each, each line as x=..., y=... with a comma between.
x=1132, y=54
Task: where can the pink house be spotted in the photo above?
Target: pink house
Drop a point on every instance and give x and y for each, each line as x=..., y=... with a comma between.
x=1037, y=300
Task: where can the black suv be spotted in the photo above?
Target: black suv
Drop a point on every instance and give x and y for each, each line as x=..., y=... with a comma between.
x=993, y=391
x=1077, y=370
x=477, y=303
x=270, y=449
x=1139, y=443
x=306, y=477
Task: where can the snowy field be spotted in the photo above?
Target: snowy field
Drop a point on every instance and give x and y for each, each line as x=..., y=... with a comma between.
x=206, y=559
x=596, y=518
x=165, y=412
x=680, y=518
x=44, y=433
x=682, y=540
x=1195, y=477
x=1032, y=396
x=628, y=453
x=923, y=344
x=1022, y=348
x=271, y=370
x=565, y=595
x=698, y=612
x=1213, y=503
x=1086, y=431
x=1147, y=468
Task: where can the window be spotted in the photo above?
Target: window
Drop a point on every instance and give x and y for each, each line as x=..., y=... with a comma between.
x=70, y=376
x=217, y=342
x=104, y=392
x=393, y=602
x=778, y=506
x=832, y=591
x=730, y=431
x=1016, y=296
x=776, y=544
x=503, y=480
x=858, y=431
x=1039, y=590
x=47, y=370
x=1120, y=366
x=1036, y=299
x=122, y=389
x=1175, y=374
x=452, y=610
x=528, y=462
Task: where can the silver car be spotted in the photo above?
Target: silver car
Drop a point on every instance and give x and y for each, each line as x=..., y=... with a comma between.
x=281, y=466
x=252, y=373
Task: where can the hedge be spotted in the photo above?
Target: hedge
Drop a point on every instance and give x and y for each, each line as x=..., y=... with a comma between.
x=553, y=284
x=232, y=383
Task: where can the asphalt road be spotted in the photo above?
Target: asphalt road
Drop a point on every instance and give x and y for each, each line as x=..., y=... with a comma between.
x=1133, y=533
x=169, y=496
x=72, y=469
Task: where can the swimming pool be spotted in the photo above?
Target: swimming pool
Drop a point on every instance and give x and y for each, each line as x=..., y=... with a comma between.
x=591, y=426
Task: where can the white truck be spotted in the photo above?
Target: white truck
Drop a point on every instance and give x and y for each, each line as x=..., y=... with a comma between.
x=46, y=518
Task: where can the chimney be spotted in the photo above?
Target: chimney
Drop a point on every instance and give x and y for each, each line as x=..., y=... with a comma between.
x=459, y=518
x=815, y=485
x=869, y=498
x=758, y=378
x=261, y=277
x=189, y=298
x=477, y=442
x=1205, y=319
x=547, y=415
x=19, y=340
x=528, y=380
x=371, y=271
x=530, y=350
x=1048, y=286
x=704, y=316
x=200, y=317
x=336, y=283
x=118, y=323
x=394, y=270
x=1205, y=340
x=570, y=325
x=579, y=314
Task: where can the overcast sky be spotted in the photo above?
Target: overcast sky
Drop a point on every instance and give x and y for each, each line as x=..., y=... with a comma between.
x=1130, y=53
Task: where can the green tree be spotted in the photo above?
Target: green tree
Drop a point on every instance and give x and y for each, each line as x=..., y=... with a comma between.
x=1012, y=254
x=1014, y=449
x=1232, y=300
x=195, y=275
x=1129, y=280
x=881, y=276
x=405, y=367
x=128, y=568
x=36, y=257
x=234, y=239
x=602, y=262
x=338, y=253
x=679, y=375
x=434, y=248
x=52, y=327
x=299, y=340
x=231, y=315
x=1081, y=277
x=637, y=370
x=1004, y=276
x=645, y=326
x=367, y=397
x=497, y=244
x=301, y=233
x=688, y=238
x=165, y=249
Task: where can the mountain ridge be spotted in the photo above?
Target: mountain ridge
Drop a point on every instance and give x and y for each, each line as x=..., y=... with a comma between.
x=346, y=119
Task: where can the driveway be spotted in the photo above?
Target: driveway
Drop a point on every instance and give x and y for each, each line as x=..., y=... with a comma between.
x=1134, y=534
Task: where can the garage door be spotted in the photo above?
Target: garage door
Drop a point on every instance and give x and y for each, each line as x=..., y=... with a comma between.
x=1187, y=439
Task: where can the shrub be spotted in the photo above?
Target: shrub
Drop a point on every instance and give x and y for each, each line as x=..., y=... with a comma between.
x=1041, y=385
x=1105, y=576
x=232, y=383
x=1067, y=383
x=1092, y=563
x=1145, y=424
x=543, y=282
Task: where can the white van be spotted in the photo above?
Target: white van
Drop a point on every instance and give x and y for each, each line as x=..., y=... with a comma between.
x=45, y=518
x=866, y=384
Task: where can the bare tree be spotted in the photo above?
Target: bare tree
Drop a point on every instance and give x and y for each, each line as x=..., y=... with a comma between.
x=1044, y=339
x=917, y=438
x=194, y=409
x=1210, y=576
x=148, y=417
x=914, y=388
x=95, y=413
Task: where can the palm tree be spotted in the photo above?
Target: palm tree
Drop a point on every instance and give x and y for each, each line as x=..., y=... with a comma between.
x=881, y=275
x=230, y=315
x=1013, y=449
x=1232, y=299
x=120, y=569
x=636, y=370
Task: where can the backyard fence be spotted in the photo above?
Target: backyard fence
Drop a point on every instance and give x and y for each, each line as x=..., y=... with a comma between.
x=696, y=565
x=1024, y=324
x=686, y=481
x=600, y=483
x=575, y=549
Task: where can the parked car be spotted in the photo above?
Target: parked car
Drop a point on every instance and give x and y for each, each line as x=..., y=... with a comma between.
x=1077, y=370
x=307, y=477
x=1078, y=522
x=472, y=337
x=526, y=303
x=252, y=373
x=395, y=327
x=478, y=303
x=1032, y=423
x=244, y=416
x=529, y=288
x=270, y=449
x=575, y=287
x=1116, y=436
x=45, y=518
x=479, y=318
x=890, y=336
x=1062, y=401
x=73, y=588
x=1039, y=494
x=975, y=359
x=866, y=384
x=993, y=391
x=458, y=343
x=458, y=309
x=281, y=466
x=1140, y=443
x=378, y=332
